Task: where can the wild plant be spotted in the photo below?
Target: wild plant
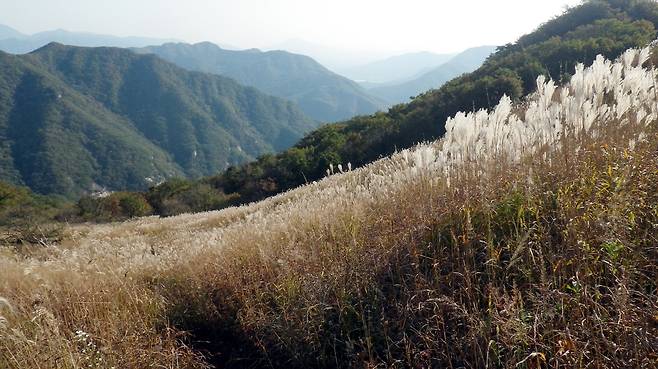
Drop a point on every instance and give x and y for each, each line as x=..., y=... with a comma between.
x=526, y=237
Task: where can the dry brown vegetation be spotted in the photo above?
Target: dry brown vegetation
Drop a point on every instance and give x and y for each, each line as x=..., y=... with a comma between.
x=548, y=261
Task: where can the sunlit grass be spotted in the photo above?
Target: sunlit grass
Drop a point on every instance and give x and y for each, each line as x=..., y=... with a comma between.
x=525, y=238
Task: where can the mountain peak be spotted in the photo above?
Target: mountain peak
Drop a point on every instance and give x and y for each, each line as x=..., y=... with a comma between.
x=322, y=94
x=127, y=117
x=8, y=32
x=205, y=44
x=14, y=42
x=49, y=47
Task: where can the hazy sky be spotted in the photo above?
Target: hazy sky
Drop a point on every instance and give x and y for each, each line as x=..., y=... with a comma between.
x=383, y=25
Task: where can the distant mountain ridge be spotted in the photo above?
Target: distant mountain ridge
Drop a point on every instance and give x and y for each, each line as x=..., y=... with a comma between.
x=14, y=42
x=397, y=68
x=336, y=58
x=321, y=94
x=464, y=62
x=73, y=119
x=8, y=32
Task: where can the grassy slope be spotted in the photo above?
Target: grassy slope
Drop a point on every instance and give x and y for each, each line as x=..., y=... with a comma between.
x=551, y=261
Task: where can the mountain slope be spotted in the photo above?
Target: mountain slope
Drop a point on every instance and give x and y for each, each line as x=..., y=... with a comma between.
x=605, y=27
x=321, y=94
x=464, y=62
x=537, y=252
x=8, y=32
x=74, y=119
x=56, y=140
x=397, y=68
x=16, y=43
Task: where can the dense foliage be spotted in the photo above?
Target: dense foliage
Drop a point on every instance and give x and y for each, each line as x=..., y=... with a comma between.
x=75, y=120
x=28, y=218
x=320, y=93
x=605, y=27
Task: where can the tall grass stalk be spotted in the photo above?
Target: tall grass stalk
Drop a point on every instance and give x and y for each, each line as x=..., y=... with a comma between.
x=525, y=238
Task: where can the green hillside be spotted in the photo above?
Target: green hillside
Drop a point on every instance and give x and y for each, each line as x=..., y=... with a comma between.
x=321, y=94
x=77, y=119
x=605, y=27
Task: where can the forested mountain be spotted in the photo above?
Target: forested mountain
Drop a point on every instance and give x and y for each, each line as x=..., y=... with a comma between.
x=14, y=42
x=464, y=62
x=321, y=94
x=605, y=27
x=399, y=68
x=525, y=238
x=77, y=119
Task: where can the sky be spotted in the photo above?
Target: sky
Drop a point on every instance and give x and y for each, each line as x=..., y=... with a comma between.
x=386, y=26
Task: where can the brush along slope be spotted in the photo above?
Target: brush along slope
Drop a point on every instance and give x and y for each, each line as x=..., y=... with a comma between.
x=526, y=237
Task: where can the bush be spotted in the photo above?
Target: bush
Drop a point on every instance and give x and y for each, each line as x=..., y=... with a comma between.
x=28, y=218
x=134, y=205
x=115, y=207
x=193, y=198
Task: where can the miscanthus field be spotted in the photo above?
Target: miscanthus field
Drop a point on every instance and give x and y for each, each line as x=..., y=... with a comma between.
x=527, y=237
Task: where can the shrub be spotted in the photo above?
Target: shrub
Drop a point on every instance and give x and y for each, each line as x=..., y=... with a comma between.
x=27, y=218
x=114, y=207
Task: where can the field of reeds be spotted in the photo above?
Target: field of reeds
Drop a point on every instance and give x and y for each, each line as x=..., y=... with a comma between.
x=526, y=238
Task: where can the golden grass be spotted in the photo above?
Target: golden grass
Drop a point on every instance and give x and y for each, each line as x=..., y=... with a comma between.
x=545, y=262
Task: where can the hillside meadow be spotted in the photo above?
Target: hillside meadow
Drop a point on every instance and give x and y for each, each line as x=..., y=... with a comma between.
x=525, y=238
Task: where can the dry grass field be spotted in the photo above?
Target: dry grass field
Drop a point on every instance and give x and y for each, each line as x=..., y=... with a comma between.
x=526, y=238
